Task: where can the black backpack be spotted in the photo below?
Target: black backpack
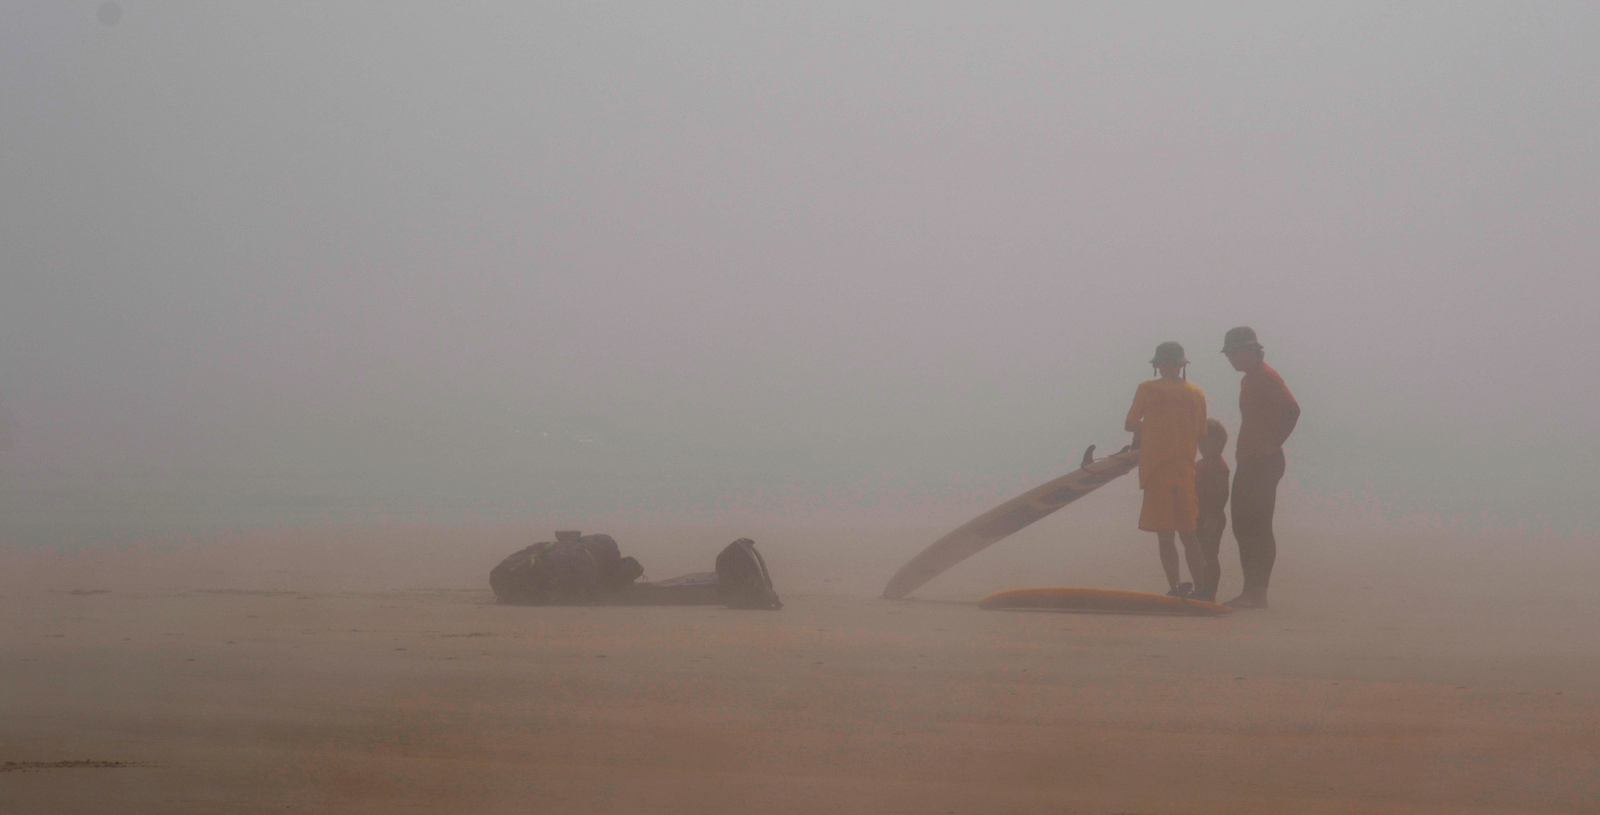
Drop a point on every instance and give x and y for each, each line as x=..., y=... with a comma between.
x=742, y=579
x=544, y=573
x=613, y=571
x=565, y=572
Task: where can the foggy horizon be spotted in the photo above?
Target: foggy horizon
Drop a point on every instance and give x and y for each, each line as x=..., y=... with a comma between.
x=585, y=255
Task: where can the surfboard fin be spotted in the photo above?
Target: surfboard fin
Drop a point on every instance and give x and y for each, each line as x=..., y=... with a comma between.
x=1088, y=456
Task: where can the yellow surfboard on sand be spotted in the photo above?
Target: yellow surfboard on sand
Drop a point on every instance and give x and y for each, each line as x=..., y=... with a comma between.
x=1100, y=601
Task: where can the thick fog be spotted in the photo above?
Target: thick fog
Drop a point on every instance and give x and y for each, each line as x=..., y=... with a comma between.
x=263, y=261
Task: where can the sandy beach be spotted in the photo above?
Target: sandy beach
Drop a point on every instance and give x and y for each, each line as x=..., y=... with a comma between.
x=371, y=671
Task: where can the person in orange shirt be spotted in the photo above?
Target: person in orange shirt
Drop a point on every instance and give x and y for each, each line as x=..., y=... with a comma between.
x=1268, y=413
x=1167, y=419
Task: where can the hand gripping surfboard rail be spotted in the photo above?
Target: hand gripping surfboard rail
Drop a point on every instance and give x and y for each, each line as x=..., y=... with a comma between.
x=995, y=525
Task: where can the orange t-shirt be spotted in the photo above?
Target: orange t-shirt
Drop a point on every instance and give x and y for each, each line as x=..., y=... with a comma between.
x=1264, y=404
x=1173, y=413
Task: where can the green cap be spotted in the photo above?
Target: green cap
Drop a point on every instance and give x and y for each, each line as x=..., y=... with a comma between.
x=1242, y=337
x=1169, y=353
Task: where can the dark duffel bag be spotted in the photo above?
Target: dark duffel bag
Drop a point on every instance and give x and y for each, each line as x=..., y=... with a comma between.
x=516, y=580
x=547, y=573
x=612, y=569
x=569, y=571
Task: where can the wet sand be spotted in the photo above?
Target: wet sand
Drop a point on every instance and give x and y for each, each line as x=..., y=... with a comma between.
x=370, y=671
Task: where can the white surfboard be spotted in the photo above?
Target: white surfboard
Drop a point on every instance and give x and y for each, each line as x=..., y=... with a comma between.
x=995, y=525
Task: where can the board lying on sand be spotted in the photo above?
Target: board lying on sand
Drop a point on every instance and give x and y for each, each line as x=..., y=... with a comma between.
x=993, y=526
x=1104, y=601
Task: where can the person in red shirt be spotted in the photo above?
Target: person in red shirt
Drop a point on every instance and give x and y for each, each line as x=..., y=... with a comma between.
x=1268, y=413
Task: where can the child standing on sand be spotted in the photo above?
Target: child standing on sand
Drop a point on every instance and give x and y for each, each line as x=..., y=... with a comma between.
x=1167, y=419
x=1211, y=488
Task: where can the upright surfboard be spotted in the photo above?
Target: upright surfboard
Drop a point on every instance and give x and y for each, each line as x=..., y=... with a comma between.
x=995, y=525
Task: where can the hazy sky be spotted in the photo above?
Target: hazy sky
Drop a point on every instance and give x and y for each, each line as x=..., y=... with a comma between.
x=457, y=250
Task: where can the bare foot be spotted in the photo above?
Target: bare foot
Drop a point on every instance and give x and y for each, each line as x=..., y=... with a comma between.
x=1248, y=600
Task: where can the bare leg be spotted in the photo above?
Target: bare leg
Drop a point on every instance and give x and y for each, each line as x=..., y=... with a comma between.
x=1210, y=533
x=1195, y=557
x=1255, y=491
x=1169, y=557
